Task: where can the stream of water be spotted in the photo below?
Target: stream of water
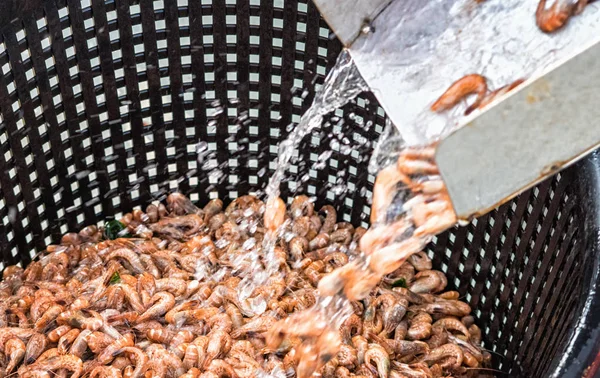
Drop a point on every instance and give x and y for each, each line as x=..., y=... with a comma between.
x=341, y=85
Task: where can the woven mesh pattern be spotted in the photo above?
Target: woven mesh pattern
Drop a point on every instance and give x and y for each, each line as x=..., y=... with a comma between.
x=107, y=105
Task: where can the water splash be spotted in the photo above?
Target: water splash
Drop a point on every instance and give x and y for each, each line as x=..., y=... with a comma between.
x=341, y=85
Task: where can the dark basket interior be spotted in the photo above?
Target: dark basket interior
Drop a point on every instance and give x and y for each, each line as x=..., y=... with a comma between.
x=104, y=104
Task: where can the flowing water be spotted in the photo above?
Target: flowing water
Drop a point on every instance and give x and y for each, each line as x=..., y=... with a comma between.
x=342, y=84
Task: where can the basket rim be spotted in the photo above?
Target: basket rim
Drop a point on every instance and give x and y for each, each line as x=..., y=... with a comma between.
x=581, y=354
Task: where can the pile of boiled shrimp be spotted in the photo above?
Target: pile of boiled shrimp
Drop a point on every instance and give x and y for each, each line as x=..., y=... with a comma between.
x=160, y=298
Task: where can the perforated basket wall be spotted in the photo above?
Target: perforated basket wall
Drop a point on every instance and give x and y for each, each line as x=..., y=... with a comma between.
x=106, y=105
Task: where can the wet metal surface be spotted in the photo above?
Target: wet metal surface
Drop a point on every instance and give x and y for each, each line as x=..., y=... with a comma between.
x=544, y=126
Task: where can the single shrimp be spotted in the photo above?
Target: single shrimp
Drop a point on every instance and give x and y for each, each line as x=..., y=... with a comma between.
x=301, y=226
x=160, y=335
x=58, y=332
x=352, y=326
x=342, y=236
x=48, y=317
x=420, y=326
x=330, y=219
x=107, y=354
x=401, y=370
x=212, y=208
x=445, y=307
x=180, y=337
x=314, y=270
x=190, y=357
x=97, y=341
x=429, y=281
x=420, y=261
x=218, y=346
x=131, y=257
x=175, y=286
x=23, y=320
x=160, y=358
x=260, y=324
x=377, y=354
x=321, y=240
x=201, y=344
x=298, y=247
x=450, y=324
x=274, y=214
x=239, y=205
x=79, y=345
x=162, y=302
x=448, y=356
x=337, y=259
x=220, y=321
x=475, y=333
x=138, y=356
x=556, y=16
x=466, y=346
x=361, y=344
x=301, y=206
x=65, y=342
x=15, y=350
x=179, y=204
x=78, y=320
x=244, y=365
x=33, y=272
x=35, y=347
x=216, y=222
x=234, y=314
x=466, y=85
x=182, y=316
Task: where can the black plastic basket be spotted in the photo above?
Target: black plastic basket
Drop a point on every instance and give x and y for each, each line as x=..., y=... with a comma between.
x=103, y=104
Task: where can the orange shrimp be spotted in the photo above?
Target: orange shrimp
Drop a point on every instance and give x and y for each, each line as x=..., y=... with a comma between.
x=556, y=16
x=15, y=350
x=469, y=84
x=35, y=347
x=274, y=214
x=162, y=303
x=109, y=352
x=190, y=357
x=65, y=342
x=219, y=345
x=137, y=355
x=58, y=332
x=97, y=341
x=160, y=335
x=48, y=317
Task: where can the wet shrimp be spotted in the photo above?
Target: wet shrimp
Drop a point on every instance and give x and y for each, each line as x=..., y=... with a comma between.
x=378, y=360
x=161, y=303
x=550, y=19
x=15, y=351
x=469, y=84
